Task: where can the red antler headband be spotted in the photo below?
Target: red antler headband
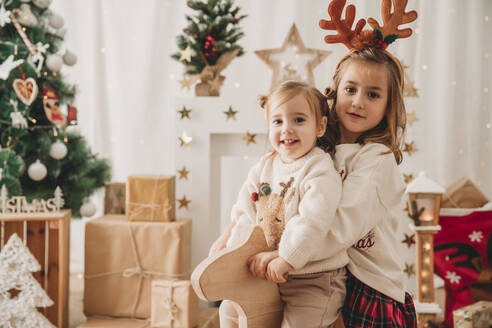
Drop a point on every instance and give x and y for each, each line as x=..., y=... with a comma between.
x=380, y=37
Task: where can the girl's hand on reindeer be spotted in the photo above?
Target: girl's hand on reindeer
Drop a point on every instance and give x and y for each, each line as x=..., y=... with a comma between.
x=277, y=269
x=258, y=263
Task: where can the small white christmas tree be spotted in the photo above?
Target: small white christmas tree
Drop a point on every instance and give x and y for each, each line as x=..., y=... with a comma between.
x=16, y=267
x=59, y=201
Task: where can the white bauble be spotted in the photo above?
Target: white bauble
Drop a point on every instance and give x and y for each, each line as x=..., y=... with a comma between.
x=72, y=129
x=58, y=150
x=69, y=58
x=37, y=171
x=42, y=3
x=54, y=62
x=88, y=209
x=56, y=21
x=26, y=17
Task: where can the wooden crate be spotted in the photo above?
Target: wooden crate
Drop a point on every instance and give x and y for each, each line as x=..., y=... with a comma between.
x=52, y=252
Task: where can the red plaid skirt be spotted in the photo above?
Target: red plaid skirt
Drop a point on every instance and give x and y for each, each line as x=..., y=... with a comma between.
x=366, y=307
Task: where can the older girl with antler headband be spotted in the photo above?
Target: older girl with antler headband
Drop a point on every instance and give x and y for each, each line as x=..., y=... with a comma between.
x=369, y=115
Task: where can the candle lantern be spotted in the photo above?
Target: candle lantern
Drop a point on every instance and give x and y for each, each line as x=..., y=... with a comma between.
x=424, y=202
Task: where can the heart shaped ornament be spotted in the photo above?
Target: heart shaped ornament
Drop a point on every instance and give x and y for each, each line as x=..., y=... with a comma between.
x=26, y=90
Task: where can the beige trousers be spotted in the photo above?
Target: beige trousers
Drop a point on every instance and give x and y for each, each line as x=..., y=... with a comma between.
x=310, y=301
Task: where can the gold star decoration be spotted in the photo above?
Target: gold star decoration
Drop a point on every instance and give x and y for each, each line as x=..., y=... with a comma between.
x=408, y=177
x=409, y=269
x=293, y=60
x=185, y=54
x=183, y=173
x=186, y=83
x=410, y=148
x=409, y=240
x=216, y=82
x=249, y=138
x=185, y=140
x=185, y=113
x=411, y=117
x=231, y=113
x=183, y=202
x=409, y=89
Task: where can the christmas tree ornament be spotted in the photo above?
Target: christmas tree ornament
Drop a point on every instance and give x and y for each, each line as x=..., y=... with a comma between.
x=185, y=113
x=4, y=16
x=183, y=202
x=185, y=54
x=249, y=138
x=52, y=107
x=185, y=140
x=8, y=65
x=21, y=32
x=292, y=61
x=26, y=90
x=38, y=57
x=69, y=58
x=54, y=62
x=73, y=129
x=16, y=267
x=58, y=150
x=187, y=82
x=37, y=171
x=409, y=89
x=88, y=209
x=183, y=173
x=26, y=17
x=231, y=113
x=42, y=3
x=56, y=21
x=72, y=115
x=18, y=120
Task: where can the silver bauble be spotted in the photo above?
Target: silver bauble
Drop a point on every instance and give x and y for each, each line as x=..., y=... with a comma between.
x=58, y=150
x=54, y=62
x=37, y=171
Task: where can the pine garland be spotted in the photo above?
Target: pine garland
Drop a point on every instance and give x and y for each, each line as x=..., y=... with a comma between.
x=211, y=32
x=80, y=173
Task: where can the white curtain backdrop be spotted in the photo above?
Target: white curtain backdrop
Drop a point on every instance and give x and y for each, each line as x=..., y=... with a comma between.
x=127, y=81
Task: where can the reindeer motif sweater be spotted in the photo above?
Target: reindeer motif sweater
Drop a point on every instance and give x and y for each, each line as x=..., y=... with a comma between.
x=369, y=216
x=304, y=195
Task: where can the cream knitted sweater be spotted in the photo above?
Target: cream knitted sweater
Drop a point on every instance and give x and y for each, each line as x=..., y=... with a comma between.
x=309, y=210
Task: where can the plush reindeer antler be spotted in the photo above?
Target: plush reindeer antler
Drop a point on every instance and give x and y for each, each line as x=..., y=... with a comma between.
x=392, y=20
x=342, y=26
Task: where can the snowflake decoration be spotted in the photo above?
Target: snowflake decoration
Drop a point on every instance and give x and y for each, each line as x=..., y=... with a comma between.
x=453, y=277
x=476, y=236
x=4, y=16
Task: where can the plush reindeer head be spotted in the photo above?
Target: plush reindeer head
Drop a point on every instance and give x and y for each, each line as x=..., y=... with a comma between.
x=270, y=211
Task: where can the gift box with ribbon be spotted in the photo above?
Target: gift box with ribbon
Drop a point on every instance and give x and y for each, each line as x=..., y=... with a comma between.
x=477, y=315
x=122, y=258
x=114, y=197
x=150, y=198
x=174, y=304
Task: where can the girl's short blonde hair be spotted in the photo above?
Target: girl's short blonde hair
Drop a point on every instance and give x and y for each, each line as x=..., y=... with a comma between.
x=318, y=104
x=391, y=130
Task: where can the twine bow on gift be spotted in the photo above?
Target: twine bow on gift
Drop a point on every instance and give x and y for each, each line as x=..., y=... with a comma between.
x=171, y=306
x=137, y=209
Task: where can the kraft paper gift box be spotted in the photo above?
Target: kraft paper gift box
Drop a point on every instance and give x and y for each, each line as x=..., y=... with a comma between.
x=114, y=197
x=174, y=304
x=123, y=257
x=476, y=315
x=463, y=194
x=150, y=198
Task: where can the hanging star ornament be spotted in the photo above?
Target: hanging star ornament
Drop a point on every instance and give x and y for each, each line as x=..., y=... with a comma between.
x=185, y=113
x=8, y=65
x=185, y=54
x=231, y=113
x=184, y=140
x=410, y=148
x=186, y=83
x=411, y=117
x=293, y=61
x=409, y=269
x=183, y=202
x=183, y=173
x=409, y=240
x=409, y=89
x=408, y=177
x=249, y=138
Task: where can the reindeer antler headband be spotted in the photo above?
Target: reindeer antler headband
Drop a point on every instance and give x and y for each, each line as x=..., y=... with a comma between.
x=380, y=37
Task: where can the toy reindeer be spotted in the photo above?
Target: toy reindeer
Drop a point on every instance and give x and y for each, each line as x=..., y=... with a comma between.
x=270, y=211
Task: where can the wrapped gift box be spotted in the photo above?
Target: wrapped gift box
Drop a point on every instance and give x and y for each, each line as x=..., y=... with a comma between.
x=114, y=197
x=477, y=315
x=463, y=194
x=174, y=304
x=122, y=258
x=150, y=198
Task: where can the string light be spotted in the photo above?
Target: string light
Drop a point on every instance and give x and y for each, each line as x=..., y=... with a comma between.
x=65, y=139
x=427, y=246
x=427, y=260
x=485, y=90
x=487, y=125
x=424, y=289
x=424, y=67
x=424, y=274
x=486, y=18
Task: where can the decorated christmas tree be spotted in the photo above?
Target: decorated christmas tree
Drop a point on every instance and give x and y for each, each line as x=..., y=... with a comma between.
x=209, y=41
x=16, y=267
x=41, y=145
